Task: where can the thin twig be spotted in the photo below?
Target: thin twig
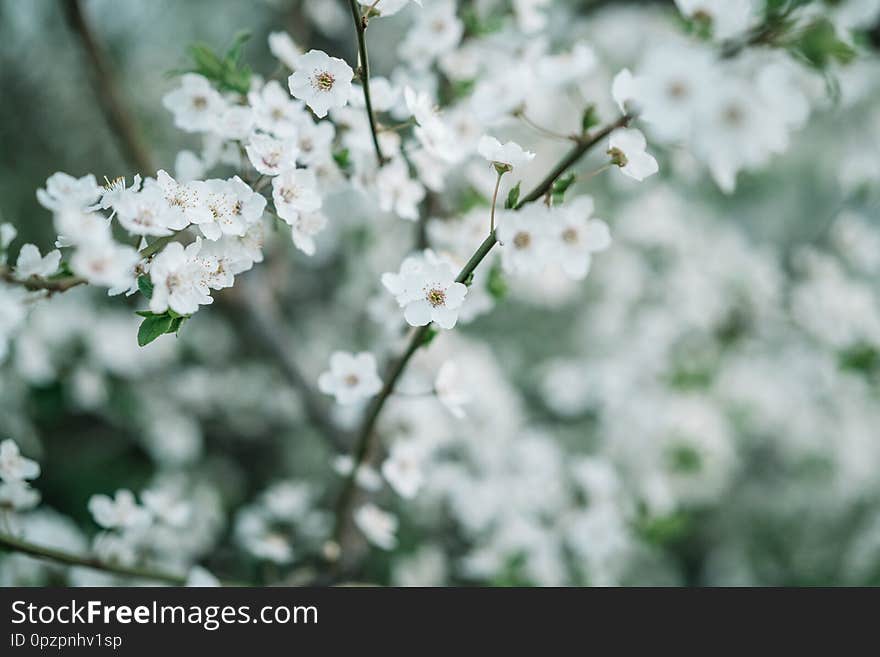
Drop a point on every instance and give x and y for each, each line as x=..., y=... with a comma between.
x=360, y=27
x=35, y=283
x=366, y=434
x=116, y=113
x=70, y=559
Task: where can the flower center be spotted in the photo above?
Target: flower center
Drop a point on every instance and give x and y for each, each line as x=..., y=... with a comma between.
x=522, y=240
x=677, y=90
x=733, y=115
x=351, y=380
x=570, y=236
x=289, y=194
x=200, y=102
x=323, y=81
x=436, y=297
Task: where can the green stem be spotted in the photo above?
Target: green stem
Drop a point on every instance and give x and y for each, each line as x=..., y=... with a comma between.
x=494, y=201
x=360, y=26
x=69, y=559
x=366, y=434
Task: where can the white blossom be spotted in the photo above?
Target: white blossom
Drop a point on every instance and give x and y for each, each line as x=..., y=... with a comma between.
x=377, y=525
x=626, y=146
x=321, y=81
x=352, y=378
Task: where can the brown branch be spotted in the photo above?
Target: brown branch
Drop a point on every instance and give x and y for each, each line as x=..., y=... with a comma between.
x=106, y=88
x=366, y=435
x=35, y=283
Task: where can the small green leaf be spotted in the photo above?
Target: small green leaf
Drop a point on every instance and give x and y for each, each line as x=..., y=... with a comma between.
x=557, y=192
x=152, y=327
x=496, y=284
x=342, y=158
x=145, y=285
x=590, y=119
x=430, y=334
x=820, y=45
x=512, y=196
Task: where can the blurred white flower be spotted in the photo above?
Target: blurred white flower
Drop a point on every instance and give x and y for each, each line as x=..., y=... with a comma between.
x=284, y=48
x=377, y=525
x=119, y=512
x=352, y=378
x=509, y=155
x=403, y=468
x=31, y=263
x=271, y=156
x=13, y=466
x=196, y=105
x=626, y=146
x=295, y=191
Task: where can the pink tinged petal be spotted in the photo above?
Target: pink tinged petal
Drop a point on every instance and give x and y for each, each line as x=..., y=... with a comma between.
x=417, y=313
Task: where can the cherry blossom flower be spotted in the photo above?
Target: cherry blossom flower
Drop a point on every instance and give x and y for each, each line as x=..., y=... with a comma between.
x=323, y=82
x=271, y=156
x=427, y=291
x=276, y=112
x=119, y=512
x=295, y=191
x=578, y=236
x=403, y=468
x=106, y=264
x=284, y=48
x=178, y=280
x=398, y=192
x=196, y=105
x=504, y=156
x=626, y=146
x=13, y=466
x=525, y=239
x=304, y=228
x=352, y=378
x=64, y=192
x=31, y=263
x=377, y=525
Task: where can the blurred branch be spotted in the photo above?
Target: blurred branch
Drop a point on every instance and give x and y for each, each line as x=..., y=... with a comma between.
x=366, y=435
x=68, y=559
x=266, y=323
x=363, y=72
x=35, y=283
x=116, y=113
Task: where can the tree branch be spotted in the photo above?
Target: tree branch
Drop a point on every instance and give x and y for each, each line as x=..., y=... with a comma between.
x=265, y=321
x=363, y=72
x=106, y=88
x=366, y=434
x=35, y=283
x=69, y=559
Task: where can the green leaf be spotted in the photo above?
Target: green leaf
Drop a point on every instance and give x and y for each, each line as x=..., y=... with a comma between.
x=557, y=192
x=429, y=336
x=496, y=284
x=145, y=285
x=512, y=196
x=233, y=54
x=589, y=119
x=342, y=158
x=152, y=327
x=820, y=46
